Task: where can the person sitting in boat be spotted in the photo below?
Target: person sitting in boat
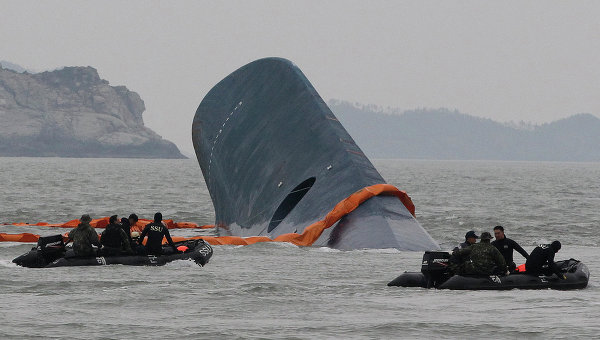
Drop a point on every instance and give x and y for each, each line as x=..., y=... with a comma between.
x=457, y=262
x=156, y=231
x=133, y=223
x=484, y=258
x=126, y=228
x=506, y=247
x=137, y=248
x=541, y=260
x=470, y=239
x=114, y=240
x=83, y=237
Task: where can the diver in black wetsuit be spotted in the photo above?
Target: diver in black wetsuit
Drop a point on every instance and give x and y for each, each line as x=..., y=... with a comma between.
x=506, y=247
x=541, y=256
x=155, y=231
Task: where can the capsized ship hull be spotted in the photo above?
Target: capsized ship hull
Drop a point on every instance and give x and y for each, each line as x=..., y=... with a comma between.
x=275, y=160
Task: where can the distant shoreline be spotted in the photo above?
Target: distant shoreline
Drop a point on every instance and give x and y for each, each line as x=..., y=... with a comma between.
x=441, y=134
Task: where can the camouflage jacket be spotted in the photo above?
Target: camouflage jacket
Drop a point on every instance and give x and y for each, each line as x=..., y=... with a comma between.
x=83, y=237
x=482, y=258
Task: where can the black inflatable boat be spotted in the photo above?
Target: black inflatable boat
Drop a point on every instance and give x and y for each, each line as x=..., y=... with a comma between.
x=51, y=252
x=435, y=274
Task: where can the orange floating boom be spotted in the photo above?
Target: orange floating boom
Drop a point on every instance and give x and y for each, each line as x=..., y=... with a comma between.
x=314, y=231
x=103, y=222
x=24, y=237
x=307, y=238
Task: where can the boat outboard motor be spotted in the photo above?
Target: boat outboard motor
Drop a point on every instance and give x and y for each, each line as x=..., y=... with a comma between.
x=435, y=267
x=51, y=247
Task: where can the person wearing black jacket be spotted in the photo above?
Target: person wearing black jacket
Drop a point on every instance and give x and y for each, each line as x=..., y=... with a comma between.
x=470, y=239
x=456, y=261
x=506, y=247
x=114, y=240
x=540, y=257
x=126, y=228
x=156, y=231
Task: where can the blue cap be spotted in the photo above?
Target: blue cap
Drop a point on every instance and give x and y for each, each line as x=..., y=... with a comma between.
x=471, y=233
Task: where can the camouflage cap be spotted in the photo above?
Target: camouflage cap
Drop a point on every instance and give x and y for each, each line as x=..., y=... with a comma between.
x=486, y=236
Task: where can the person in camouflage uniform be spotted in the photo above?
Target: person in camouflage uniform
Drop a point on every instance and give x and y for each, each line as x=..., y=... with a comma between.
x=83, y=237
x=483, y=258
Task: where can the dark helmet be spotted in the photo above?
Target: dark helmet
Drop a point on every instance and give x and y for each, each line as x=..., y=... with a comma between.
x=471, y=233
x=157, y=217
x=555, y=246
x=485, y=236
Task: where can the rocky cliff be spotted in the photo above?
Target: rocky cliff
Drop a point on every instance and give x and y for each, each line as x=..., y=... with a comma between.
x=71, y=112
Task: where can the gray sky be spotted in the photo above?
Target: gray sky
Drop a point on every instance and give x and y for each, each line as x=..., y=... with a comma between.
x=507, y=60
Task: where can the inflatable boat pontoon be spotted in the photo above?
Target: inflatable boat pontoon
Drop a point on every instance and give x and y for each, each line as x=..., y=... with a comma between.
x=51, y=252
x=435, y=274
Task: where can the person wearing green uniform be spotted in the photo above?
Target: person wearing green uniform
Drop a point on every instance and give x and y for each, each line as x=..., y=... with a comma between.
x=483, y=258
x=83, y=237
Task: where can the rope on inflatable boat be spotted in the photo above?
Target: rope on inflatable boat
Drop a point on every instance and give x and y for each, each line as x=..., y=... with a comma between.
x=307, y=238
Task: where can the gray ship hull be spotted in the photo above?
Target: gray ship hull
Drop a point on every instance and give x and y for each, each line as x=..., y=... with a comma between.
x=275, y=160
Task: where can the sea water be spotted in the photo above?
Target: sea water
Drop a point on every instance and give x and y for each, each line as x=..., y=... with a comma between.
x=280, y=291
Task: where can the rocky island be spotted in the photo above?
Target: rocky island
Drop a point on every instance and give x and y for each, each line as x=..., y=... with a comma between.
x=72, y=112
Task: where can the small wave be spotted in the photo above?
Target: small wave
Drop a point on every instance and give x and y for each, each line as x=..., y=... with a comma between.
x=183, y=264
x=268, y=244
x=381, y=251
x=8, y=264
x=325, y=250
x=283, y=244
x=10, y=244
x=370, y=251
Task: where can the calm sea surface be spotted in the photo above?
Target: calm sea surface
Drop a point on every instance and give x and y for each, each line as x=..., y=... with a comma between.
x=280, y=291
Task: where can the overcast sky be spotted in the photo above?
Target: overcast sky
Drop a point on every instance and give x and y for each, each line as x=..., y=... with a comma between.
x=536, y=61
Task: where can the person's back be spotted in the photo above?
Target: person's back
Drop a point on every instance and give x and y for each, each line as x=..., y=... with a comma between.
x=114, y=240
x=541, y=260
x=484, y=258
x=155, y=232
x=84, y=236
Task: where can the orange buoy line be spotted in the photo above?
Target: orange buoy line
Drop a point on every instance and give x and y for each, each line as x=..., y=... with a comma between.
x=314, y=231
x=24, y=237
x=307, y=238
x=103, y=222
